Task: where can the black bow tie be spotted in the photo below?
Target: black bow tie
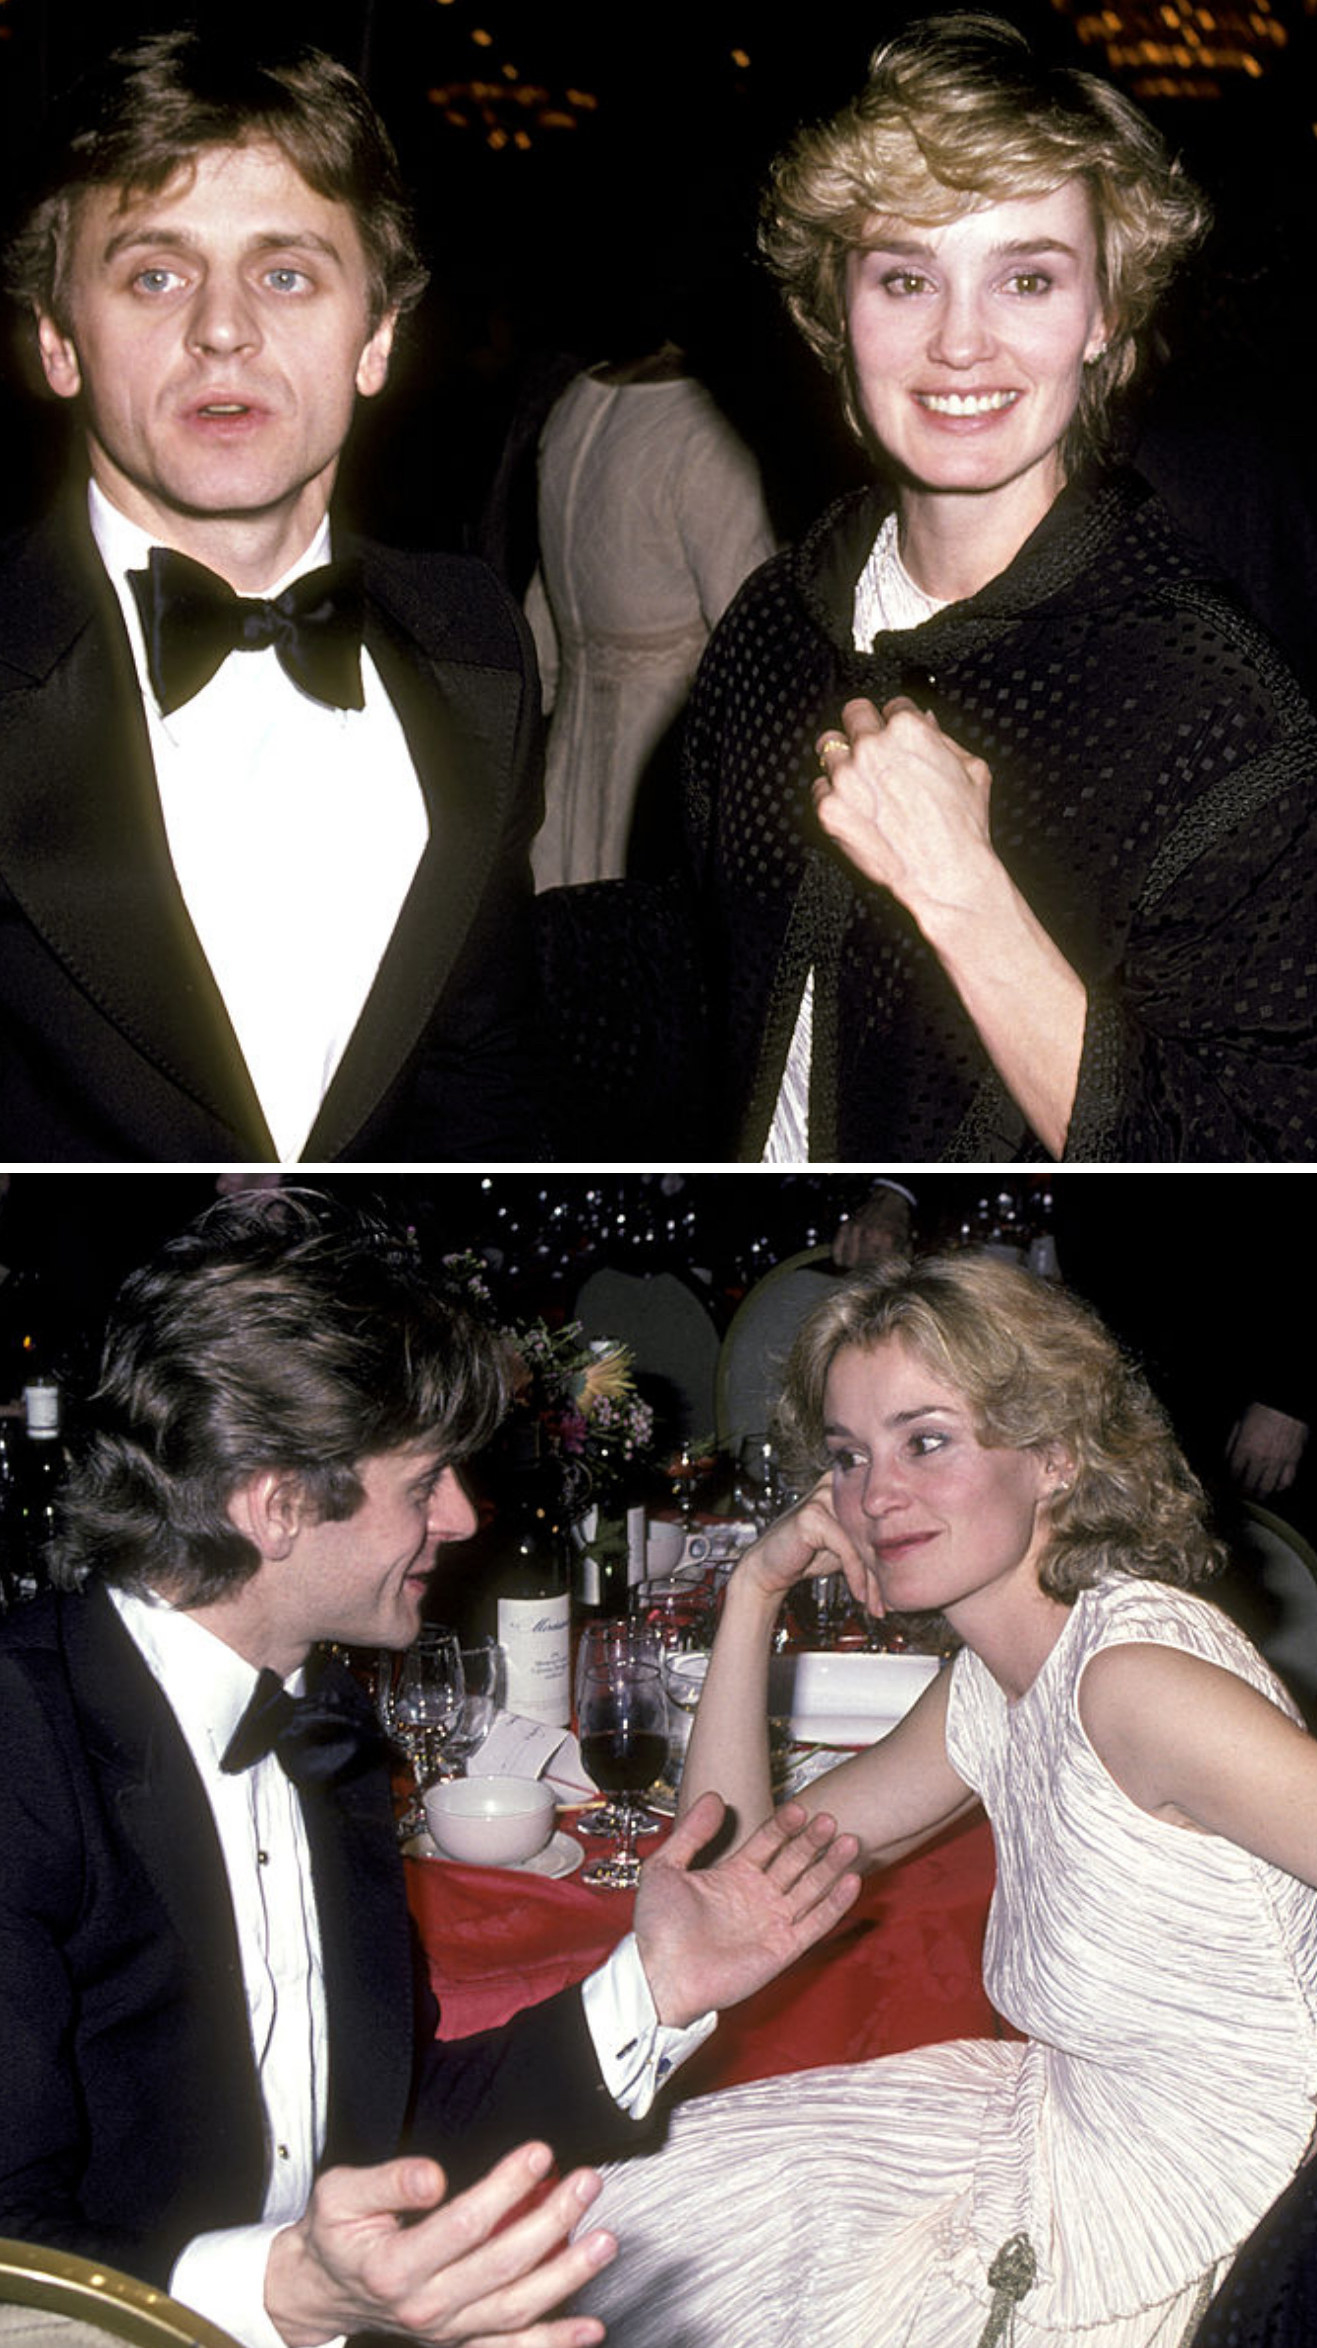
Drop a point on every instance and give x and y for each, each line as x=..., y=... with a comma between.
x=313, y=1738
x=193, y=620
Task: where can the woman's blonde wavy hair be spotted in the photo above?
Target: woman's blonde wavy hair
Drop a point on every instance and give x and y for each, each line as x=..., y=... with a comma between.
x=958, y=114
x=1039, y=1372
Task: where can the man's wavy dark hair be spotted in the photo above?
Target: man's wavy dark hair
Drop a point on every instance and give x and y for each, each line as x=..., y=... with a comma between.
x=281, y=1329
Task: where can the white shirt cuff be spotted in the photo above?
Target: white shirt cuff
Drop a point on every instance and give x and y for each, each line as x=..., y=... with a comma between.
x=222, y=2276
x=637, y=2053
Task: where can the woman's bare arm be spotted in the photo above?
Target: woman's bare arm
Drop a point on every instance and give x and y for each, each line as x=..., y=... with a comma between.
x=1195, y=1745
x=891, y=1797
x=909, y=808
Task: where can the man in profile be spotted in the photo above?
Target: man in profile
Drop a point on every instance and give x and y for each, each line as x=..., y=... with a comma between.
x=266, y=796
x=220, y=2068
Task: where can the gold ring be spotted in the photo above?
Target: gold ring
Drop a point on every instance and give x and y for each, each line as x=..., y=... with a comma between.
x=830, y=742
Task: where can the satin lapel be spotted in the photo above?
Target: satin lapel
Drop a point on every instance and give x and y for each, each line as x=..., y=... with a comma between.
x=82, y=841
x=366, y=1942
x=460, y=720
x=147, y=1776
x=148, y=1782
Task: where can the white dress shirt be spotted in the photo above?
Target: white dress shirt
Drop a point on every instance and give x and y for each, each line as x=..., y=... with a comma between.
x=886, y=598
x=295, y=832
x=258, y=1818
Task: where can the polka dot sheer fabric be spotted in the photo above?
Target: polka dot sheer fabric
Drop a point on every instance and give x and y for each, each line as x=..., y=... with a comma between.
x=1153, y=766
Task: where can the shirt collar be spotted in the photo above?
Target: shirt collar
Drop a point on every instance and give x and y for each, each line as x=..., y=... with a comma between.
x=126, y=547
x=208, y=1684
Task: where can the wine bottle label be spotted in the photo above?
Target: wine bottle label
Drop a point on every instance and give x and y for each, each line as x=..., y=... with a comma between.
x=535, y=1635
x=41, y=1407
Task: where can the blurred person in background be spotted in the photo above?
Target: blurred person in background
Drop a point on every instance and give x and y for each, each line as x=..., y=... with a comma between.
x=651, y=513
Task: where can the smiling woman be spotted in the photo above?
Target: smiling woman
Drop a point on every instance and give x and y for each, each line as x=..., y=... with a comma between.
x=1153, y=1935
x=989, y=781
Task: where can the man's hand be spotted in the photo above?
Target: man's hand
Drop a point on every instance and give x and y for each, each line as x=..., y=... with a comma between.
x=873, y=1232
x=382, y=2250
x=711, y=1939
x=1265, y=1449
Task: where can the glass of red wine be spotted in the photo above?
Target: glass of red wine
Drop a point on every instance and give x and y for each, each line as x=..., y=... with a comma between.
x=622, y=1720
x=600, y=1640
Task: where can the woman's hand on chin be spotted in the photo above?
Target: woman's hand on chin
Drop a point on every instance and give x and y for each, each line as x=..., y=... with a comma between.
x=908, y=807
x=803, y=1543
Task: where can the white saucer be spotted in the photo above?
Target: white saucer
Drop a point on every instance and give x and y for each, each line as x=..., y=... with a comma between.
x=561, y=1855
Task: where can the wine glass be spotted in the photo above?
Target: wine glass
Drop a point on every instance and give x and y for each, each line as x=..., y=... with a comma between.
x=683, y=1474
x=600, y=1642
x=757, y=1492
x=677, y=1611
x=623, y=1715
x=482, y=1694
x=420, y=1697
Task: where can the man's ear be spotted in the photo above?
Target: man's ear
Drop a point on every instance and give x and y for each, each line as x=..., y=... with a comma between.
x=373, y=365
x=58, y=357
x=269, y=1510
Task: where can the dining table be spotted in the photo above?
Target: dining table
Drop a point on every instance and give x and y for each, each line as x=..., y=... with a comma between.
x=902, y=1969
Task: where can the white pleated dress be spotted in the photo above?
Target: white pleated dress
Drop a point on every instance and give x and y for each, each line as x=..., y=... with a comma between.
x=1164, y=2095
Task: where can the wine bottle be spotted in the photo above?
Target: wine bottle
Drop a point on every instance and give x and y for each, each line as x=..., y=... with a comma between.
x=10, y=1438
x=600, y=1567
x=607, y=1537
x=530, y=1581
x=40, y=1468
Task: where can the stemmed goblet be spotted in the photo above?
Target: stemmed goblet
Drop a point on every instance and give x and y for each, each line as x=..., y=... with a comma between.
x=419, y=1699
x=600, y=1641
x=623, y=1723
x=482, y=1693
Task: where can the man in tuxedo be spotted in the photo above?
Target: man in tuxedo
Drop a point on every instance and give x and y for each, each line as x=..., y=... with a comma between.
x=219, y=2073
x=264, y=816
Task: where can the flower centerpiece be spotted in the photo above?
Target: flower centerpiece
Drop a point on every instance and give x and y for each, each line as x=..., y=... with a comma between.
x=579, y=1396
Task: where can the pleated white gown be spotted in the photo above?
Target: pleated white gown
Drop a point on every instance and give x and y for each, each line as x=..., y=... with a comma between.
x=1163, y=2098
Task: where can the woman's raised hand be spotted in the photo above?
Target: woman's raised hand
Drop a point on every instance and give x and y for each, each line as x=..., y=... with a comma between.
x=804, y=1543
x=908, y=807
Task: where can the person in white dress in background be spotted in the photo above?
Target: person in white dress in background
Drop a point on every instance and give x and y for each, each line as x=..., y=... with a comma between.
x=651, y=514
x=990, y=1455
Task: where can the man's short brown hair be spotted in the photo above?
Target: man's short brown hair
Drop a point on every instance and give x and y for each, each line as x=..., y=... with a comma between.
x=153, y=108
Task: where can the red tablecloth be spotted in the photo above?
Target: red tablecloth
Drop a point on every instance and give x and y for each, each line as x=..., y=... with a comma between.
x=904, y=1969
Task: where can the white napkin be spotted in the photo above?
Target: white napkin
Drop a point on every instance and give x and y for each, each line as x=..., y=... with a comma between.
x=518, y=1747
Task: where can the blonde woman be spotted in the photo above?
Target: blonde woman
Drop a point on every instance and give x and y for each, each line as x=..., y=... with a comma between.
x=987, y=1453
x=1000, y=806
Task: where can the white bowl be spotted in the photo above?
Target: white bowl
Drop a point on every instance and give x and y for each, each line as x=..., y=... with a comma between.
x=846, y=1697
x=491, y=1821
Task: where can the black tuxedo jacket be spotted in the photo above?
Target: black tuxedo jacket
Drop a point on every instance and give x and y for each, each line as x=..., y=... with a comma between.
x=114, y=1040
x=130, y=2113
